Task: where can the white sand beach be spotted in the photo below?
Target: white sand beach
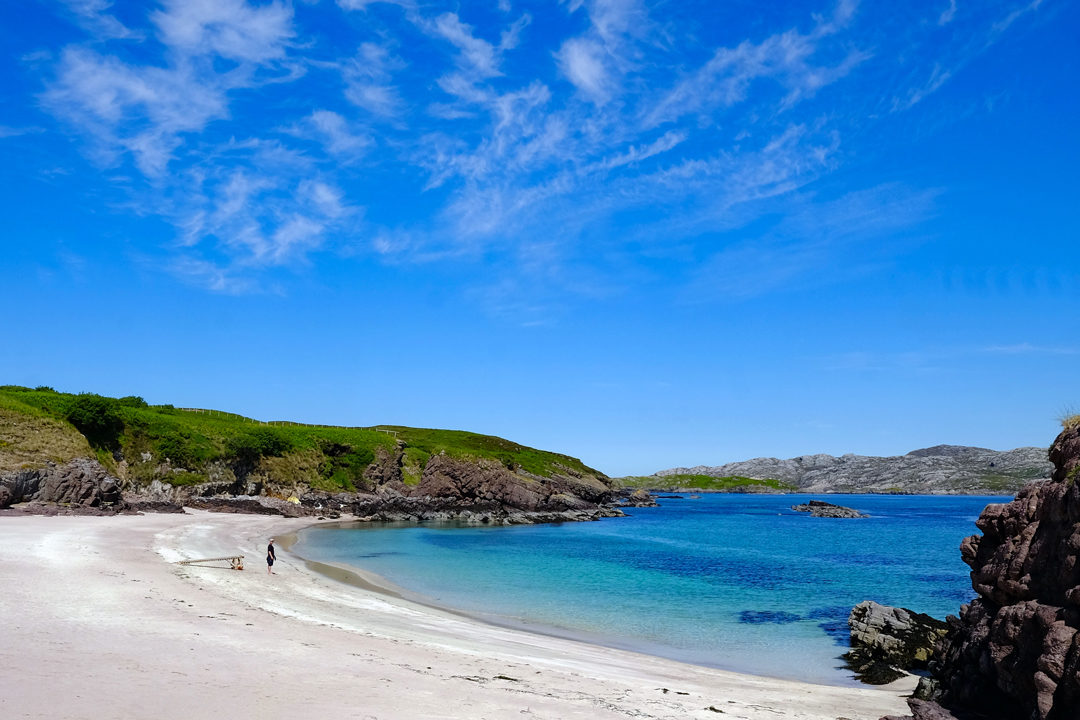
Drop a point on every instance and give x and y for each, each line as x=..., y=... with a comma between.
x=100, y=622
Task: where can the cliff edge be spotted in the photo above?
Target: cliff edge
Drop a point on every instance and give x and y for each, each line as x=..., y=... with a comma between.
x=1014, y=651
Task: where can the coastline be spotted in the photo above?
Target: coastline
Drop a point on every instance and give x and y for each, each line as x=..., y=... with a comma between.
x=103, y=623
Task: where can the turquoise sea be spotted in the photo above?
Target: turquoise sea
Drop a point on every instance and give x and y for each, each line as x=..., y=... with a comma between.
x=732, y=581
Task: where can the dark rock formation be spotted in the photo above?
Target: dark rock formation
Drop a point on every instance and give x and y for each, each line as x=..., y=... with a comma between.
x=249, y=505
x=1014, y=652
x=152, y=506
x=640, y=498
x=481, y=491
x=490, y=484
x=817, y=508
x=81, y=481
x=391, y=507
x=886, y=641
x=923, y=710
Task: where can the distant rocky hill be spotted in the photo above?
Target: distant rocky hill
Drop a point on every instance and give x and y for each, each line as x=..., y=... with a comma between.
x=942, y=469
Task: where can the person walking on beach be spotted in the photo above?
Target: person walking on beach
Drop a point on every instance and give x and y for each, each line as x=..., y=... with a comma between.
x=271, y=556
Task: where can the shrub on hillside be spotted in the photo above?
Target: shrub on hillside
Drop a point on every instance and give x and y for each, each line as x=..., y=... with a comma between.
x=178, y=449
x=97, y=418
x=133, y=401
x=264, y=442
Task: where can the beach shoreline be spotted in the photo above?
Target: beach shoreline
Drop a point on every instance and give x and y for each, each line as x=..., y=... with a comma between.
x=102, y=622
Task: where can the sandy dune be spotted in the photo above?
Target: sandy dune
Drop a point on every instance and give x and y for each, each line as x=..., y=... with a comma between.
x=99, y=622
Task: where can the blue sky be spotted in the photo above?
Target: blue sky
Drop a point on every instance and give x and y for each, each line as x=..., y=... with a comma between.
x=644, y=234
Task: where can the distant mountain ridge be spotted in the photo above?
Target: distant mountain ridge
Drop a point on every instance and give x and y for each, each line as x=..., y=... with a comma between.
x=942, y=469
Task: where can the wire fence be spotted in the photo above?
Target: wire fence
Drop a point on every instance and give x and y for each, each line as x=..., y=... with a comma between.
x=284, y=423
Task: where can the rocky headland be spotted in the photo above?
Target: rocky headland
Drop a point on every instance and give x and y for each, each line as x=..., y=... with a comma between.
x=89, y=454
x=1014, y=652
x=468, y=491
x=942, y=469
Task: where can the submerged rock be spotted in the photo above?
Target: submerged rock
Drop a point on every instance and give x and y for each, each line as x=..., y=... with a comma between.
x=887, y=641
x=818, y=508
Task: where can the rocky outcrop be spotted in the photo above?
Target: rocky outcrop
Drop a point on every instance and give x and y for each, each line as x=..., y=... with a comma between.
x=1014, y=651
x=923, y=710
x=950, y=469
x=640, y=498
x=819, y=508
x=469, y=490
x=490, y=484
x=887, y=641
x=82, y=481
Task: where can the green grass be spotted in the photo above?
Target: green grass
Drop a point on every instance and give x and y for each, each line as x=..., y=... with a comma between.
x=412, y=466
x=324, y=457
x=467, y=445
x=701, y=482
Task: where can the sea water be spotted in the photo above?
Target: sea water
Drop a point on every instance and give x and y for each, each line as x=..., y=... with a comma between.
x=739, y=582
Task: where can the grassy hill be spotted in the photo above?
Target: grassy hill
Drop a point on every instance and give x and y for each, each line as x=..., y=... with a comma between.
x=143, y=442
x=701, y=482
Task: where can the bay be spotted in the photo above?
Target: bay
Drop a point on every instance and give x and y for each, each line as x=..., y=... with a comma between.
x=738, y=582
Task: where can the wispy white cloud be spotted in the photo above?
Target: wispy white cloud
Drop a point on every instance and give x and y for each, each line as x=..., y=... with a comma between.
x=596, y=61
x=94, y=16
x=917, y=361
x=7, y=131
x=363, y=4
x=915, y=95
x=368, y=80
x=1029, y=349
x=138, y=110
x=241, y=219
x=642, y=152
x=936, y=359
x=519, y=143
x=948, y=13
x=211, y=276
x=945, y=69
x=334, y=133
x=786, y=58
x=232, y=29
x=581, y=60
x=806, y=247
x=241, y=204
x=1003, y=24
x=477, y=56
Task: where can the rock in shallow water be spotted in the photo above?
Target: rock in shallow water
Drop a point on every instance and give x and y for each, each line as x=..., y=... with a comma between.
x=818, y=508
x=886, y=641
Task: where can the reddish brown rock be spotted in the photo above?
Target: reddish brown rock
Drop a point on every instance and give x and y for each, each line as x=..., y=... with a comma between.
x=487, y=483
x=1014, y=652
